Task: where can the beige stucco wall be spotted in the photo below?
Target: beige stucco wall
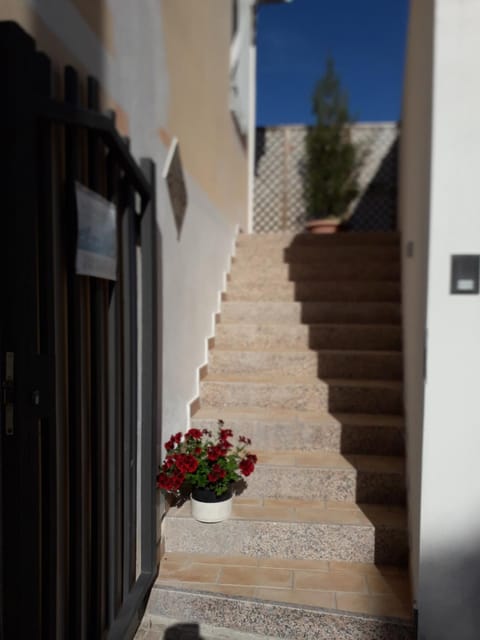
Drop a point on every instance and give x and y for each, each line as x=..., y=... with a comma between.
x=197, y=44
x=164, y=67
x=195, y=39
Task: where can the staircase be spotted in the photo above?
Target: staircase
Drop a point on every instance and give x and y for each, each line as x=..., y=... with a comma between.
x=306, y=362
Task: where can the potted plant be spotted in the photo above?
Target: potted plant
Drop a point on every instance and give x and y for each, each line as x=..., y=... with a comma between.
x=332, y=160
x=206, y=466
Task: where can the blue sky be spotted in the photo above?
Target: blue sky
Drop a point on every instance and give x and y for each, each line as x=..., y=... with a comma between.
x=366, y=39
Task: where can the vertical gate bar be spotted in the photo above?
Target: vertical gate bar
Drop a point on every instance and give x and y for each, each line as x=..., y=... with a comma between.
x=133, y=469
x=53, y=505
x=79, y=386
x=112, y=429
x=151, y=371
x=60, y=266
x=129, y=380
x=20, y=529
x=115, y=417
x=99, y=393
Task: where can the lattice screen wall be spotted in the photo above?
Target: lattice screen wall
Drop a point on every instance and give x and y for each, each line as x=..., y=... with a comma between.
x=280, y=166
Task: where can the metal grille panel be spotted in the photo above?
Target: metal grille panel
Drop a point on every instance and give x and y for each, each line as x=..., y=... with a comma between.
x=280, y=167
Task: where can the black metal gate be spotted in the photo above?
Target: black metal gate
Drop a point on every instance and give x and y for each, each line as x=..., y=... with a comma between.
x=78, y=365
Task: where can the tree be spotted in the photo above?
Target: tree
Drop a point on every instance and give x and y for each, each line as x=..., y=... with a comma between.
x=332, y=159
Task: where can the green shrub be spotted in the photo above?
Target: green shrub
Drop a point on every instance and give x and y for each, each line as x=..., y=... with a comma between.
x=332, y=160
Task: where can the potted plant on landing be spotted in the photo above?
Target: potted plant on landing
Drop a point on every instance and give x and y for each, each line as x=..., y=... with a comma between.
x=332, y=160
x=206, y=466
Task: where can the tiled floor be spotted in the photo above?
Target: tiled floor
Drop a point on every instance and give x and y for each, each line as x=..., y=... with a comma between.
x=331, y=460
x=361, y=588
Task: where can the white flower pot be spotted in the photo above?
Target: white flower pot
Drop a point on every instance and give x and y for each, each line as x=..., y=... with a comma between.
x=215, y=510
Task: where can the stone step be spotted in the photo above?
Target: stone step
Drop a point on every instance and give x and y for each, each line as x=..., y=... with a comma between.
x=311, y=312
x=375, y=365
x=315, y=336
x=374, y=238
x=280, y=429
x=331, y=291
x=160, y=627
x=321, y=475
x=346, y=396
x=357, y=269
x=294, y=530
x=328, y=616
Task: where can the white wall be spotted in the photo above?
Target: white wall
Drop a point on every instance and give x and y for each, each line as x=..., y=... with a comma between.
x=240, y=69
x=414, y=204
x=195, y=264
x=449, y=569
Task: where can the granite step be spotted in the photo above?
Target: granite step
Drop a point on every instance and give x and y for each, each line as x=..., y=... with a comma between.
x=294, y=530
x=160, y=627
x=286, y=620
x=354, y=269
x=311, y=312
x=332, y=291
x=347, y=396
x=280, y=429
x=314, y=336
x=321, y=475
x=374, y=238
x=375, y=365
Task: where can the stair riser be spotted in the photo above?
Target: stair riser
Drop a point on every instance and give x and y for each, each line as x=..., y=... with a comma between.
x=364, y=400
x=248, y=272
x=302, y=254
x=330, y=436
x=341, y=485
x=315, y=291
x=273, y=619
x=368, y=238
x=295, y=540
x=311, y=312
x=231, y=336
x=364, y=366
x=302, y=397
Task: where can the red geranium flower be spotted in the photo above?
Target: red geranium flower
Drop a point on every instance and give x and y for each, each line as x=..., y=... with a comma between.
x=216, y=473
x=247, y=465
x=214, y=453
x=196, y=434
x=225, y=433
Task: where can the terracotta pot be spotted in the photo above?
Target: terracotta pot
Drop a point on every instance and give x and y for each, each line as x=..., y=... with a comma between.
x=324, y=225
x=208, y=507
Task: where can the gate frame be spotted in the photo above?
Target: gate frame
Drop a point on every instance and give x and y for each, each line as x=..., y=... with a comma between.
x=36, y=597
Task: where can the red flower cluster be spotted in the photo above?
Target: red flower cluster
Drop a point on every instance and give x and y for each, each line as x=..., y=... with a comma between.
x=196, y=434
x=171, y=482
x=200, y=459
x=219, y=450
x=217, y=473
x=186, y=463
x=176, y=439
x=247, y=465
